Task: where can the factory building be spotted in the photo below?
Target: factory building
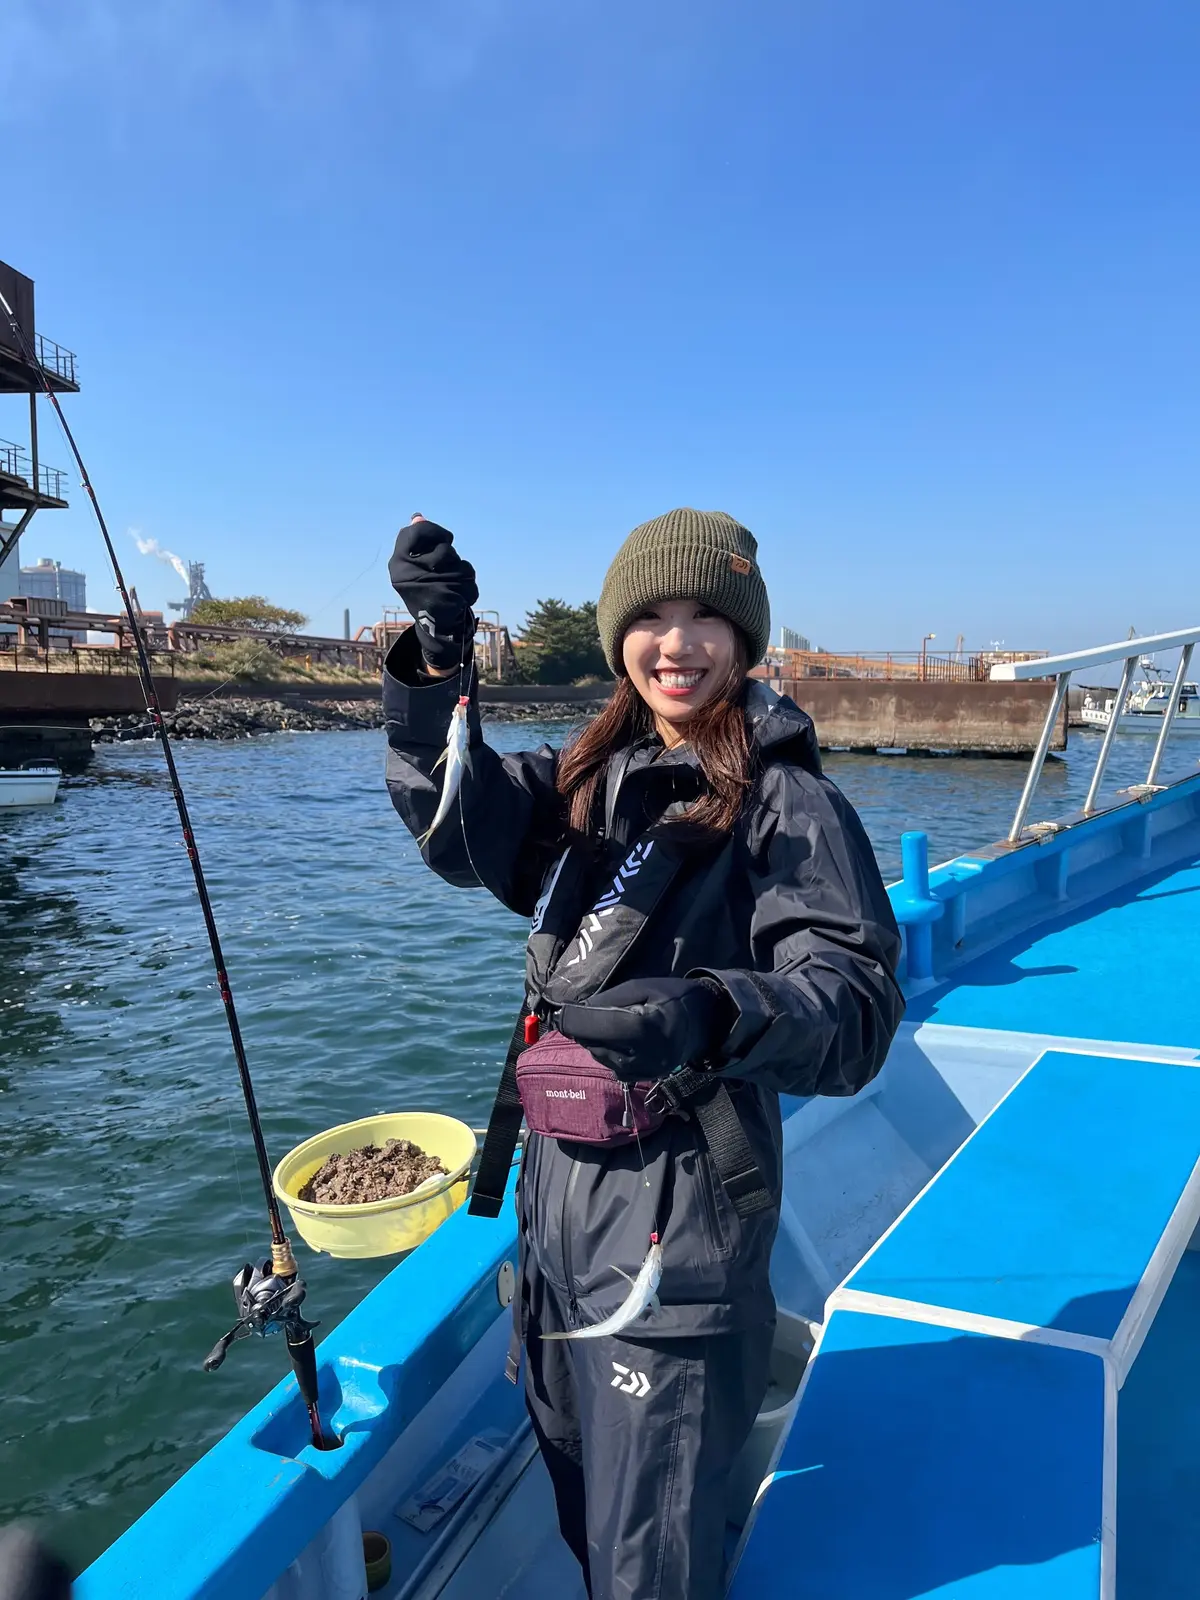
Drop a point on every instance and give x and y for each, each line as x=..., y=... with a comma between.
x=50, y=580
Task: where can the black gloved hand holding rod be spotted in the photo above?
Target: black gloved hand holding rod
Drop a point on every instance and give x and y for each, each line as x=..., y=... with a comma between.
x=283, y=1263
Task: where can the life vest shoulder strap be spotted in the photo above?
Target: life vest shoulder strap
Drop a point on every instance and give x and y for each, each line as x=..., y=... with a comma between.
x=707, y=1098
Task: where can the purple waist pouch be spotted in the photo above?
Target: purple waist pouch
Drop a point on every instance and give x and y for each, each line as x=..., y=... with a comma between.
x=568, y=1094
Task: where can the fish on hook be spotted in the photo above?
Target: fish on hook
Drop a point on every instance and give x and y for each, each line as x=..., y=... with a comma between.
x=455, y=757
x=637, y=1302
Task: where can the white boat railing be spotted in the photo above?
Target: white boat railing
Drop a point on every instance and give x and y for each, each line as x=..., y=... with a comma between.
x=1060, y=669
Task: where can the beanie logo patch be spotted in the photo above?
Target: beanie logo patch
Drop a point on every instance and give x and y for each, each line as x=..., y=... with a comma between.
x=740, y=565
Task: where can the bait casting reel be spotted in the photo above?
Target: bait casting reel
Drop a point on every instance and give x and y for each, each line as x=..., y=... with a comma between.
x=266, y=1303
x=268, y=1300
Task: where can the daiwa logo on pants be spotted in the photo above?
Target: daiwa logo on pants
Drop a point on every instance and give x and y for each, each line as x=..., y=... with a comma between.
x=611, y=899
x=630, y=1382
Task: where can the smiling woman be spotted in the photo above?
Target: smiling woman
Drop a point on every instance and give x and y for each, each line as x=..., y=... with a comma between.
x=713, y=934
x=683, y=615
x=684, y=680
x=678, y=655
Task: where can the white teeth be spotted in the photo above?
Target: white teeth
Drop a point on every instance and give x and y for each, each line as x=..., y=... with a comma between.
x=680, y=680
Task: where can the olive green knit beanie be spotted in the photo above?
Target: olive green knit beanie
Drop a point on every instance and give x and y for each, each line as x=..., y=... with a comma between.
x=686, y=555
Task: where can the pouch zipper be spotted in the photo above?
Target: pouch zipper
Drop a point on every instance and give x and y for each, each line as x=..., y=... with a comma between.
x=568, y=1272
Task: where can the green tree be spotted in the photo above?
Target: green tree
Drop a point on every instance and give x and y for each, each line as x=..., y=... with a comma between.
x=248, y=611
x=561, y=643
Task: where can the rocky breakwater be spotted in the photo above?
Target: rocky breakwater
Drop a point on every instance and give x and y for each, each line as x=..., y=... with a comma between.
x=238, y=717
x=541, y=710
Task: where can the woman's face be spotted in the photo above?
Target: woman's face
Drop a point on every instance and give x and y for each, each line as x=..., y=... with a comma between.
x=678, y=654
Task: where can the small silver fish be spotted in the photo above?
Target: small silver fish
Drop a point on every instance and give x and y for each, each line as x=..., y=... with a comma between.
x=640, y=1298
x=455, y=757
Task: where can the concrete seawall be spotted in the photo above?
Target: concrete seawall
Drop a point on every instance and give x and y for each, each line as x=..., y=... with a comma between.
x=980, y=718
x=46, y=716
x=27, y=696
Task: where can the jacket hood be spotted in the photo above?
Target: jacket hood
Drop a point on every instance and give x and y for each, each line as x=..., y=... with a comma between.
x=779, y=729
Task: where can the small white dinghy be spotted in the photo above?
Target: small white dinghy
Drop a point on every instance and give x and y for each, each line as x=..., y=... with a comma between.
x=28, y=786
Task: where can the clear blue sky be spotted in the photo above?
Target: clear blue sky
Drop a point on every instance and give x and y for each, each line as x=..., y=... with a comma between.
x=910, y=289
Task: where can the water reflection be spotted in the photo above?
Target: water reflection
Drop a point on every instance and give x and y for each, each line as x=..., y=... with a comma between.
x=33, y=922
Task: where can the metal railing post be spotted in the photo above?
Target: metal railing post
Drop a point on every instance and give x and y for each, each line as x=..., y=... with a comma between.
x=1110, y=734
x=1181, y=672
x=1039, y=756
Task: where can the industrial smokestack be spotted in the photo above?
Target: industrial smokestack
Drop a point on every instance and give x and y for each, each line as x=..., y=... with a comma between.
x=346, y=623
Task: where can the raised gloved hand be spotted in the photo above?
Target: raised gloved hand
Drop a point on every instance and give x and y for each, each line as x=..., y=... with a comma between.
x=647, y=1027
x=438, y=587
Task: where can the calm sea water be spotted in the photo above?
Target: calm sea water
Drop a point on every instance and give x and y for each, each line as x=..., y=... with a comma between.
x=128, y=1192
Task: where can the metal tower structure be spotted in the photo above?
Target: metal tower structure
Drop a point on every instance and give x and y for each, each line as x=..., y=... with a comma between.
x=197, y=590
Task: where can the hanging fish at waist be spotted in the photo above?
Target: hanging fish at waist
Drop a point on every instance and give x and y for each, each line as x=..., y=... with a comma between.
x=640, y=1298
x=455, y=757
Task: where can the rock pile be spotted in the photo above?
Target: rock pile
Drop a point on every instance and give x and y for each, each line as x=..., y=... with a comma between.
x=543, y=711
x=237, y=718
x=241, y=718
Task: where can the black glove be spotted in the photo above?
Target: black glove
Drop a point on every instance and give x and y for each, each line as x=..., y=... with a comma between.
x=649, y=1026
x=438, y=587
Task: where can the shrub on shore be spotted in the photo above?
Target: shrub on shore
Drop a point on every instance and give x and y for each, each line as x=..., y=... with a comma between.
x=245, y=659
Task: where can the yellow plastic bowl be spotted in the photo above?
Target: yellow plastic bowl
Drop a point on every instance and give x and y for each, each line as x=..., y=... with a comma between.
x=381, y=1227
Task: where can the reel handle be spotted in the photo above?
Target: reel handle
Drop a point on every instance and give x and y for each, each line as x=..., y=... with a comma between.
x=218, y=1352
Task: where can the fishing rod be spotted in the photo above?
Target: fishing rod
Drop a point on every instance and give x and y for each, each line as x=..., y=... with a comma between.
x=268, y=1297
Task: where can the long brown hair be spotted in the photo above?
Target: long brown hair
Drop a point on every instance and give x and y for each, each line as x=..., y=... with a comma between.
x=717, y=735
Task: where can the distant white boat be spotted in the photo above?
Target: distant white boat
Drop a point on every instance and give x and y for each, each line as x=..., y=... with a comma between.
x=1145, y=706
x=28, y=786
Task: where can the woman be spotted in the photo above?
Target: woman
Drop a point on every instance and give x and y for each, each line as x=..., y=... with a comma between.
x=709, y=925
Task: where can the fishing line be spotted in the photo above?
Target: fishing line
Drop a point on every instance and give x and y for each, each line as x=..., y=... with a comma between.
x=370, y=567
x=637, y=1138
x=262, y=1307
x=462, y=813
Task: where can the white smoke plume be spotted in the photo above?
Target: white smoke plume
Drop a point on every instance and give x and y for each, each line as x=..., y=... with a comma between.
x=151, y=547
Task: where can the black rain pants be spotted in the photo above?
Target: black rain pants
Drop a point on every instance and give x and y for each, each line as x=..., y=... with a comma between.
x=639, y=1435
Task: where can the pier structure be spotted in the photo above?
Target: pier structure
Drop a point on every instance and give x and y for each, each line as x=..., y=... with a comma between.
x=916, y=700
x=27, y=483
x=33, y=727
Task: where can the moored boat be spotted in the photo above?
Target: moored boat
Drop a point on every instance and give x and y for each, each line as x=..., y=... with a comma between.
x=983, y=1382
x=28, y=786
x=1144, y=706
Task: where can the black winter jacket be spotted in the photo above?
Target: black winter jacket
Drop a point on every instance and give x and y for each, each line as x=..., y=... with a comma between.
x=789, y=913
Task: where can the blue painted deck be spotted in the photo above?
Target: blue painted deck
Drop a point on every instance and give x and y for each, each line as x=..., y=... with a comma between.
x=929, y=1462
x=1124, y=970
x=950, y=1453
x=1062, y=1243
x=1158, y=1453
